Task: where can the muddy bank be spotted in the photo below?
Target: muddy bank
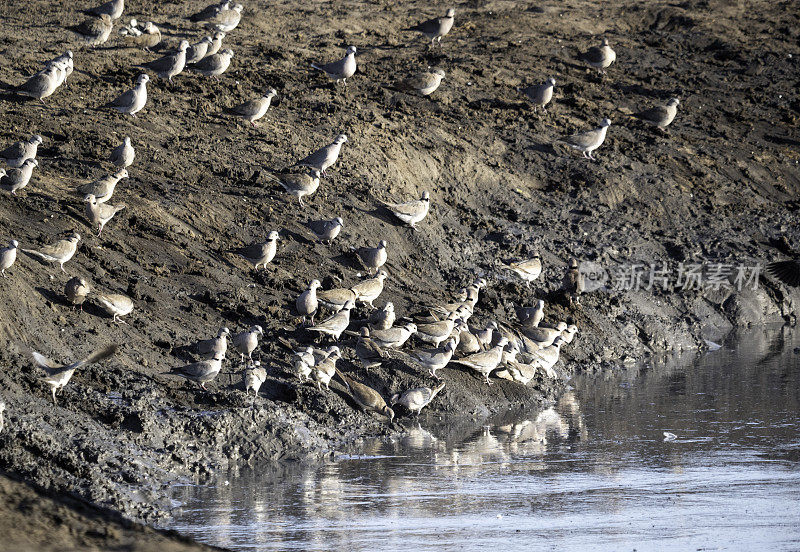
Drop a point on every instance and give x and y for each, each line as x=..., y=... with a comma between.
x=719, y=187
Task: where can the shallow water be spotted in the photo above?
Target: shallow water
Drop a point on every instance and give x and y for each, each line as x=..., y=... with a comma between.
x=593, y=472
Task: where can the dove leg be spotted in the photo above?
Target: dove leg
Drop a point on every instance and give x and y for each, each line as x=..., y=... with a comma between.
x=53, y=390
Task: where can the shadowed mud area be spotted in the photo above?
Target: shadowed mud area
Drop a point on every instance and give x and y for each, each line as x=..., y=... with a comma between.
x=719, y=186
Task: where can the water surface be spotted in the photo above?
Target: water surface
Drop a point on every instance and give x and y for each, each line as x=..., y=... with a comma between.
x=594, y=472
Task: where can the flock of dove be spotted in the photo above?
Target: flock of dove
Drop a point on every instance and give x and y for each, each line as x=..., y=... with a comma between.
x=516, y=354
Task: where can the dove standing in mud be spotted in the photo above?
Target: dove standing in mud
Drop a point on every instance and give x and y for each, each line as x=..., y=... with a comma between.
x=660, y=116
x=116, y=305
x=216, y=43
x=215, y=346
x=211, y=11
x=103, y=188
x=436, y=28
x=58, y=375
x=540, y=94
x=202, y=372
x=325, y=230
x=486, y=362
x=411, y=212
x=145, y=37
x=170, y=65
x=435, y=359
x=382, y=319
x=368, y=290
x=19, y=152
x=41, y=85
x=60, y=252
x=436, y=332
x=324, y=157
x=253, y=110
x=542, y=336
x=574, y=282
x=531, y=316
x=324, y=369
x=247, y=341
x=100, y=213
x=8, y=255
x=484, y=336
x=307, y=303
x=215, y=64
x=303, y=362
x=226, y=20
x=132, y=101
x=335, y=299
x=366, y=397
x=198, y=50
x=94, y=31
x=254, y=377
x=342, y=69
x=424, y=83
x=393, y=338
x=298, y=184
x=76, y=289
x=122, y=156
x=260, y=253
x=16, y=179
x=336, y=324
x=529, y=269
x=67, y=58
x=568, y=334
x=599, y=57
x=368, y=351
x=113, y=9
x=548, y=356
x=587, y=142
x=416, y=399
x=373, y=257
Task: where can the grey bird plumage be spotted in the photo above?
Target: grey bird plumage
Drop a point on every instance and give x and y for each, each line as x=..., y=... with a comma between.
x=540, y=94
x=76, y=290
x=116, y=305
x=123, y=155
x=304, y=361
x=367, y=351
x=325, y=368
x=226, y=20
x=325, y=156
x=416, y=399
x=336, y=324
x=393, y=338
x=325, y=230
x=215, y=64
x=307, y=303
x=411, y=212
x=336, y=298
x=261, y=253
x=435, y=359
x=660, y=116
x=146, y=37
x=216, y=43
x=60, y=252
x=100, y=213
x=423, y=83
x=247, y=341
x=370, y=289
x=599, y=57
x=58, y=375
x=132, y=101
x=198, y=50
x=170, y=65
x=41, y=85
x=202, y=372
x=103, y=188
x=372, y=258
x=485, y=362
x=17, y=179
x=587, y=142
x=437, y=27
x=211, y=11
x=94, y=31
x=342, y=69
x=8, y=255
x=382, y=319
x=543, y=336
x=216, y=346
x=253, y=110
x=528, y=269
x=112, y=8
x=254, y=377
x=16, y=154
x=531, y=316
x=298, y=184
x=574, y=283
